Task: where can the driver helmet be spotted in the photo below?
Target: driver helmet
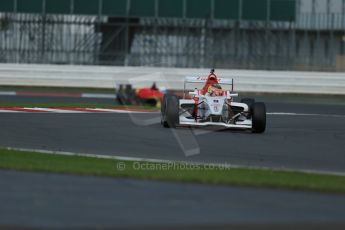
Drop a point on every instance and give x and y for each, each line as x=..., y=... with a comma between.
x=217, y=86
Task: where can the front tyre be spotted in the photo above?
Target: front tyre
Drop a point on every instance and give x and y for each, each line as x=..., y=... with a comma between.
x=170, y=111
x=259, y=117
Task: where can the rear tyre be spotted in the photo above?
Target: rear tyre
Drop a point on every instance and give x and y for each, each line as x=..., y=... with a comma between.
x=126, y=95
x=170, y=111
x=120, y=96
x=163, y=111
x=259, y=117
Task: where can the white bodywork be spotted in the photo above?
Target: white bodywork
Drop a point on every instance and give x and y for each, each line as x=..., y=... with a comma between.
x=213, y=106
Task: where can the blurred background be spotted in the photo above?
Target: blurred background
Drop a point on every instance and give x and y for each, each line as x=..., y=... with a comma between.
x=243, y=34
x=87, y=78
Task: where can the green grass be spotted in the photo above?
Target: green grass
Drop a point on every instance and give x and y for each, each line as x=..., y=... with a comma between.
x=39, y=162
x=72, y=105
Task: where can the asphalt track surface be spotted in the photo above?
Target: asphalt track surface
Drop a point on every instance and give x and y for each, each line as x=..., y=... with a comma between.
x=60, y=201
x=307, y=142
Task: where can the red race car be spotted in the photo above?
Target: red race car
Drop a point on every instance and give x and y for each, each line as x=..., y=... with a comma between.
x=152, y=96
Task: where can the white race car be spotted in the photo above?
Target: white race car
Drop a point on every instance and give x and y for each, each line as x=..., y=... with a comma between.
x=213, y=106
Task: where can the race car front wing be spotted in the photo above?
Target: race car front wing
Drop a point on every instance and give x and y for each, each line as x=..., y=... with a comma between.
x=246, y=124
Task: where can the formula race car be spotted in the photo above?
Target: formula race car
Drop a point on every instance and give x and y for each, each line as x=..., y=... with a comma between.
x=151, y=96
x=213, y=106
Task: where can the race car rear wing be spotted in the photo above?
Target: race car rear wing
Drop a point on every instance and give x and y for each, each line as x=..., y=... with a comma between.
x=223, y=81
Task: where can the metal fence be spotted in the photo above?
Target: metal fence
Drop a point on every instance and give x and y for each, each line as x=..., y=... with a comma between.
x=304, y=44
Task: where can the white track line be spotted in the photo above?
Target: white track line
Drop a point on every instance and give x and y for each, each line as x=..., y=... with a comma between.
x=118, y=111
x=9, y=111
x=82, y=95
x=57, y=110
x=305, y=114
x=7, y=93
x=139, y=159
x=98, y=95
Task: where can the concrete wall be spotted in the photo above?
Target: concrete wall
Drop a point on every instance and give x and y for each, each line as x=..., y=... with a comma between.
x=171, y=78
